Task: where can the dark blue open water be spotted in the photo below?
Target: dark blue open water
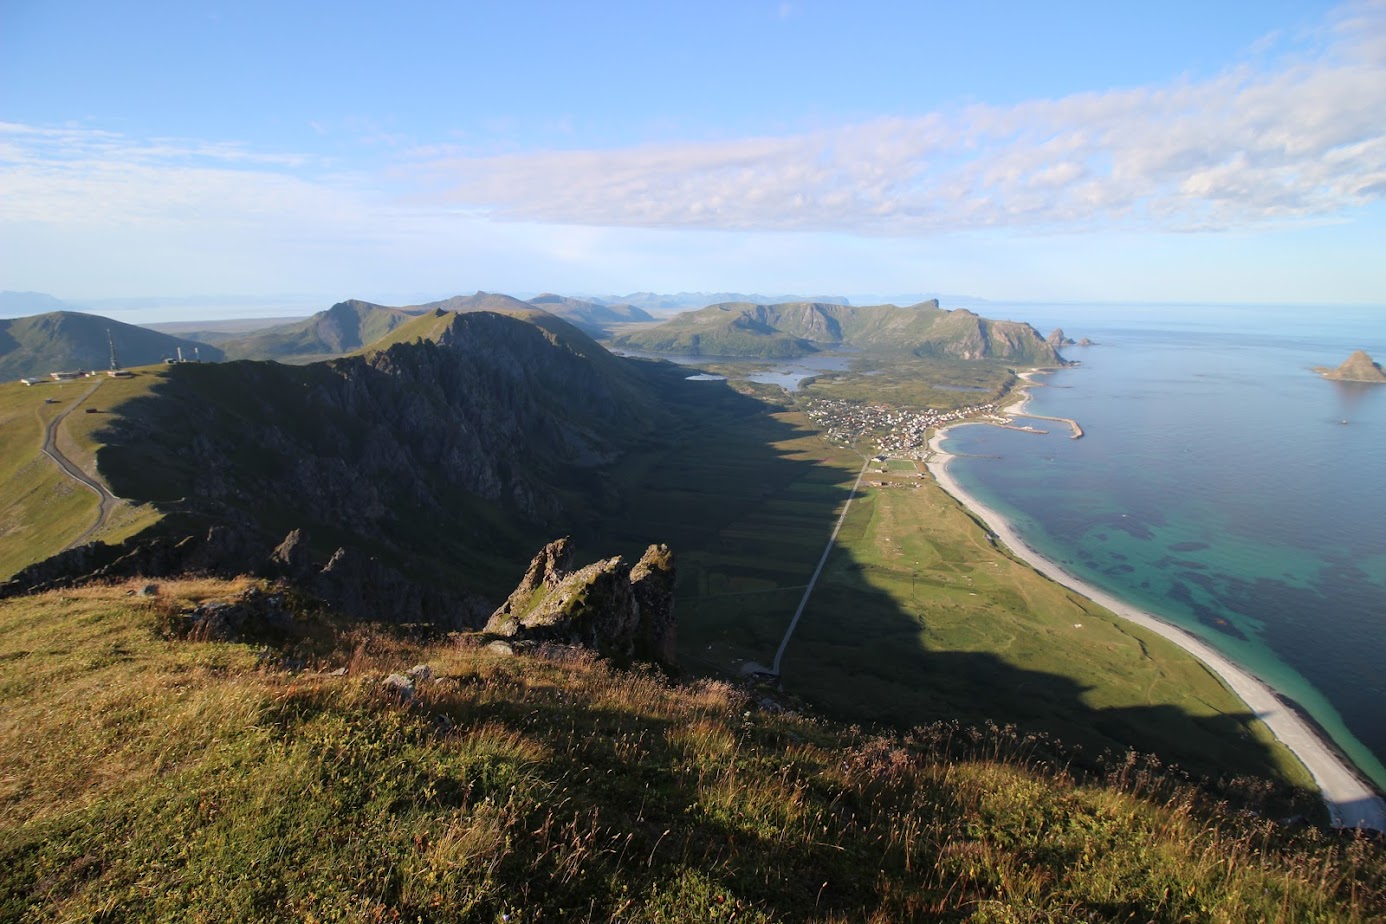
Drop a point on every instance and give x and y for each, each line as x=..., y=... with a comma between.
x=1222, y=486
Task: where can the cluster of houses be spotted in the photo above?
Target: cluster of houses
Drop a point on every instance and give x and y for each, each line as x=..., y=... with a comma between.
x=900, y=433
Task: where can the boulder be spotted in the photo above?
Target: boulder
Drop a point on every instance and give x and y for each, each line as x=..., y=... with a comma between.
x=253, y=614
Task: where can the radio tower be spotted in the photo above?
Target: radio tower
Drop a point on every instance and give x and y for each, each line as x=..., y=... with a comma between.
x=115, y=364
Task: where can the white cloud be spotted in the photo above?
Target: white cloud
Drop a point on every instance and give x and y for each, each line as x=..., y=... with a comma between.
x=1244, y=148
x=1248, y=147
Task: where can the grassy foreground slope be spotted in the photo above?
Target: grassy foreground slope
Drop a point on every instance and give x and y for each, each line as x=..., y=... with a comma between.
x=206, y=781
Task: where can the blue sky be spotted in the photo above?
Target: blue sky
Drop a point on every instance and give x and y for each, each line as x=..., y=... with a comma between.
x=1015, y=151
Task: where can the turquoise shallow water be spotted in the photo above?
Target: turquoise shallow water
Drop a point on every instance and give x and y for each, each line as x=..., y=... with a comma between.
x=1222, y=486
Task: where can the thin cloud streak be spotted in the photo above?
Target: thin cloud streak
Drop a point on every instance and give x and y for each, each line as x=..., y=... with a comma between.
x=1242, y=149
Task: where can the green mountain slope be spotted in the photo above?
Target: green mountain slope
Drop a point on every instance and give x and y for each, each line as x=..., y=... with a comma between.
x=796, y=329
x=344, y=327
x=69, y=340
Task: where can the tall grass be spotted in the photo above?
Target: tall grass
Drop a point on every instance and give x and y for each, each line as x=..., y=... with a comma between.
x=152, y=778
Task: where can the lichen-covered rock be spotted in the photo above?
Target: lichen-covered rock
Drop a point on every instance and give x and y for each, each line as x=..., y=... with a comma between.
x=607, y=606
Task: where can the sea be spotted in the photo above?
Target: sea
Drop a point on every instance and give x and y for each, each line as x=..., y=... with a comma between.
x=1221, y=485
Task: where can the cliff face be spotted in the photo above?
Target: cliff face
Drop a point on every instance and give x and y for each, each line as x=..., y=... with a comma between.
x=495, y=408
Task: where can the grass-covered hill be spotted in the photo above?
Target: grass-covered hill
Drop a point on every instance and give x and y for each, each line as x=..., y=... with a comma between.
x=797, y=329
x=64, y=341
x=343, y=328
x=150, y=776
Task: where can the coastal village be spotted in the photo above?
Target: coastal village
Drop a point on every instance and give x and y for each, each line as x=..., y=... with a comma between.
x=901, y=433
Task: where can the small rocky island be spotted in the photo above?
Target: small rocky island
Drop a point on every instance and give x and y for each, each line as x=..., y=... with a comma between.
x=1358, y=367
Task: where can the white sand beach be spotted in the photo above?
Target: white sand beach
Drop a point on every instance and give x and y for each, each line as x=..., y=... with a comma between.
x=1351, y=802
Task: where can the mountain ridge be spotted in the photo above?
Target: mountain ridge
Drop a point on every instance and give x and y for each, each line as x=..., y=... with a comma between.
x=793, y=329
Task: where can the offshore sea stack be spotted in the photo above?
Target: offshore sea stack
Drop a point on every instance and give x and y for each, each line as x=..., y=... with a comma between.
x=618, y=610
x=1358, y=367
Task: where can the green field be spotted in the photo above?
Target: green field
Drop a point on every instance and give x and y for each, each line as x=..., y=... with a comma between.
x=42, y=510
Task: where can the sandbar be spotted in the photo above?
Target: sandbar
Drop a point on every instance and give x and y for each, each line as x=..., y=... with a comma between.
x=1351, y=802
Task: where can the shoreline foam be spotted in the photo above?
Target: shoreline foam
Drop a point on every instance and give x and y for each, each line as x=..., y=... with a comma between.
x=1351, y=802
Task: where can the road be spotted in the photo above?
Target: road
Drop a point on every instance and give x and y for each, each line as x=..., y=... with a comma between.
x=50, y=449
x=808, y=591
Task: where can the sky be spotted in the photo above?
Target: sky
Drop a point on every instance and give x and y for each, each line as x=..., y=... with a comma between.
x=1090, y=151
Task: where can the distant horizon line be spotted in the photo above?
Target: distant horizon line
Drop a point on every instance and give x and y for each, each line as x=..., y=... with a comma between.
x=856, y=299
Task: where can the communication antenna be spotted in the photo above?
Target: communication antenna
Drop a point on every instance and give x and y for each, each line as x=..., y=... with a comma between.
x=115, y=364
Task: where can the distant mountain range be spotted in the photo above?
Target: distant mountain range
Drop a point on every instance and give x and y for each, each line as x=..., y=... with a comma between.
x=351, y=325
x=925, y=330
x=64, y=340
x=665, y=303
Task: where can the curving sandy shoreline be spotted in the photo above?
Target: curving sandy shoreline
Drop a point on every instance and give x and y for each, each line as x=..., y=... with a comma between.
x=1350, y=801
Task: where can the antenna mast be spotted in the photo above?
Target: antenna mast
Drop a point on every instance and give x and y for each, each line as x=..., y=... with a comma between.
x=115, y=365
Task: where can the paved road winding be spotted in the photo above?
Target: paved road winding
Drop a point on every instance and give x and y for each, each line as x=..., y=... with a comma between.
x=50, y=449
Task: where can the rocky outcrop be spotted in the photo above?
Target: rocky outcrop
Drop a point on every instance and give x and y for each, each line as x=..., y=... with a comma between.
x=1058, y=339
x=222, y=551
x=611, y=607
x=1358, y=367
x=254, y=614
x=292, y=558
